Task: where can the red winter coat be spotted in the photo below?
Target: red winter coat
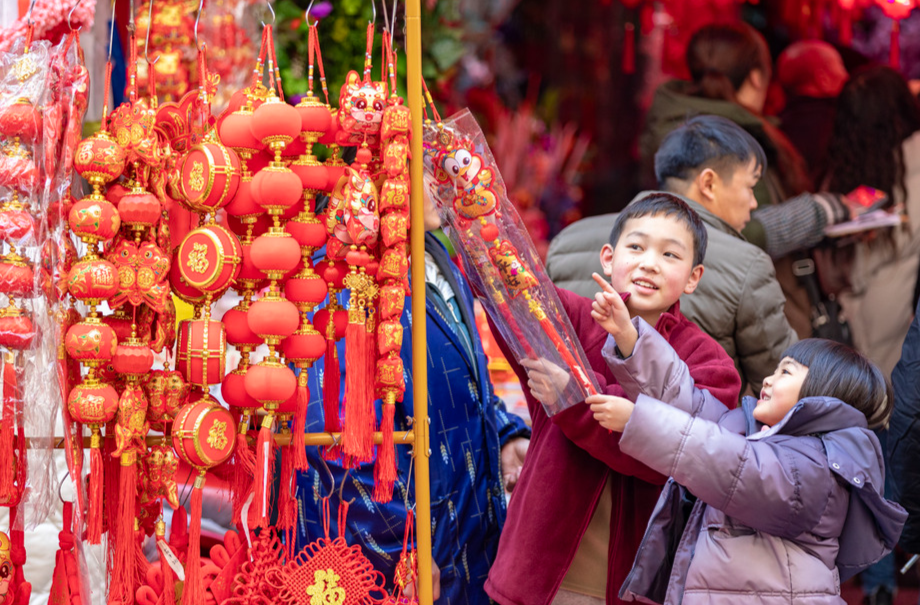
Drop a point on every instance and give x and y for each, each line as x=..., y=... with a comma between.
x=567, y=464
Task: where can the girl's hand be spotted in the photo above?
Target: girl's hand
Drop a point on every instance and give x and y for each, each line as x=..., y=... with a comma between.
x=611, y=412
x=610, y=312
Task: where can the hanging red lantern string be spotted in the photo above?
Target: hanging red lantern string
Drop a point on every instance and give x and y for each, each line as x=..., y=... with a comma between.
x=895, y=10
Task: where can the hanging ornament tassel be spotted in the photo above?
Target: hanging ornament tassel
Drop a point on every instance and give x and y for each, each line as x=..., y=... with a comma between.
x=18, y=586
x=193, y=591
x=124, y=566
x=894, y=59
x=353, y=438
x=300, y=424
x=94, y=520
x=629, y=49
x=331, y=383
x=264, y=471
x=7, y=432
x=385, y=467
x=287, y=504
x=244, y=468
x=169, y=579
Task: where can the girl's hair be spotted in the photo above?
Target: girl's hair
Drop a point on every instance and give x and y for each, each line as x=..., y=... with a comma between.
x=875, y=113
x=836, y=370
x=720, y=57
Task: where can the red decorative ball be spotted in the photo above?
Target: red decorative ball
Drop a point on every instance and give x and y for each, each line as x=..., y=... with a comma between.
x=489, y=232
x=340, y=320
x=94, y=279
x=236, y=132
x=275, y=121
x=132, y=358
x=334, y=174
x=270, y=383
x=94, y=220
x=209, y=258
x=21, y=119
x=236, y=321
x=273, y=318
x=115, y=191
x=209, y=176
x=92, y=403
x=121, y=322
x=304, y=348
x=315, y=118
x=203, y=433
x=306, y=289
x=333, y=272
x=312, y=174
x=334, y=127
x=16, y=278
x=248, y=270
x=308, y=233
x=357, y=258
x=233, y=390
x=99, y=159
x=140, y=208
x=275, y=252
x=276, y=187
x=16, y=331
x=364, y=156
x=243, y=204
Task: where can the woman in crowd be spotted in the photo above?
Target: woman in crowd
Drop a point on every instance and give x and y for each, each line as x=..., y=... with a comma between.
x=876, y=142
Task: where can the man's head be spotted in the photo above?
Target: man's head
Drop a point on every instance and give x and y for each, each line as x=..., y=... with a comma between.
x=811, y=68
x=655, y=254
x=715, y=163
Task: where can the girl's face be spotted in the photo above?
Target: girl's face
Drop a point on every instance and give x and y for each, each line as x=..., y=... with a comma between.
x=780, y=391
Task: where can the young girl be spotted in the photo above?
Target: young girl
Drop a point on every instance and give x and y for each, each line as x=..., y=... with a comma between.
x=777, y=501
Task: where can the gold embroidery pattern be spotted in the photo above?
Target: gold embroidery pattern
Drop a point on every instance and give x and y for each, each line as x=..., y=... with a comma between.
x=217, y=436
x=24, y=68
x=196, y=177
x=197, y=259
x=325, y=589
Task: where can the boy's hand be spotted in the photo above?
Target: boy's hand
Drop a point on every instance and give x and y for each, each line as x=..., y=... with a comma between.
x=611, y=412
x=545, y=380
x=610, y=312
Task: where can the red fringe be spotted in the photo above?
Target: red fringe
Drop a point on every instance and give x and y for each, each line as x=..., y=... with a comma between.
x=629, y=49
x=370, y=416
x=287, y=505
x=264, y=471
x=94, y=517
x=141, y=564
x=894, y=58
x=193, y=592
x=124, y=568
x=300, y=424
x=169, y=581
x=242, y=476
x=385, y=468
x=111, y=485
x=7, y=431
x=354, y=433
x=331, y=378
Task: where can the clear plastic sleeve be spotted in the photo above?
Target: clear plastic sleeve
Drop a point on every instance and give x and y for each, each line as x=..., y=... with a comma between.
x=500, y=260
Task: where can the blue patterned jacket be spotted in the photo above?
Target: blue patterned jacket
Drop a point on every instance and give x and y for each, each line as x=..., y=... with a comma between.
x=469, y=425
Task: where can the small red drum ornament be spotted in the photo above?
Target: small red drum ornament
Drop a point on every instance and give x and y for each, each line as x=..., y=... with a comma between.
x=203, y=434
x=210, y=258
x=202, y=351
x=210, y=176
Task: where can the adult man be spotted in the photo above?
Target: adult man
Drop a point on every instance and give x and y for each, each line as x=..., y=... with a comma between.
x=713, y=164
x=477, y=449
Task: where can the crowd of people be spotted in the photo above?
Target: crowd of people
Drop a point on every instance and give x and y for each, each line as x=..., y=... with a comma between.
x=756, y=382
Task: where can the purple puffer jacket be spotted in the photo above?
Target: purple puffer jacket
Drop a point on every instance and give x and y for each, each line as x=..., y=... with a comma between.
x=776, y=516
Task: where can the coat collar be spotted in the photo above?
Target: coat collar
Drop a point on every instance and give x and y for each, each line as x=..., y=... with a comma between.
x=810, y=416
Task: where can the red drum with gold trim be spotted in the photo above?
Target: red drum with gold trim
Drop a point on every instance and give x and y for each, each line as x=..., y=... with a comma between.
x=210, y=176
x=203, y=433
x=210, y=258
x=202, y=352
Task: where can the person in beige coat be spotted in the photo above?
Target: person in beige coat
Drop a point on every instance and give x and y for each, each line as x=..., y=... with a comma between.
x=876, y=143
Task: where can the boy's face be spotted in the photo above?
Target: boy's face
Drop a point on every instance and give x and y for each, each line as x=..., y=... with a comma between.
x=653, y=262
x=732, y=198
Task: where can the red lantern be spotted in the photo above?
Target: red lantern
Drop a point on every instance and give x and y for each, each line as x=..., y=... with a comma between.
x=16, y=329
x=275, y=253
x=16, y=276
x=94, y=219
x=92, y=280
x=21, y=120
x=210, y=176
x=203, y=434
x=132, y=358
x=99, y=159
x=273, y=319
x=896, y=9
x=209, y=258
x=243, y=204
x=202, y=351
x=139, y=208
x=90, y=341
x=276, y=124
x=270, y=383
x=15, y=224
x=276, y=188
x=93, y=403
x=233, y=390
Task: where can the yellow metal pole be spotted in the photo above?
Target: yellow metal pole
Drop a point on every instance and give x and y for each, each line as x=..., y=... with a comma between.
x=419, y=316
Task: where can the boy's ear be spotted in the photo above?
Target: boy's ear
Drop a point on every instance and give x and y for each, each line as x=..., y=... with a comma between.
x=607, y=259
x=695, y=275
x=707, y=181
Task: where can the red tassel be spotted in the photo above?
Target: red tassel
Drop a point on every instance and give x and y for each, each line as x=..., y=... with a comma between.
x=94, y=517
x=300, y=424
x=124, y=568
x=18, y=586
x=354, y=437
x=242, y=471
x=370, y=357
x=331, y=378
x=141, y=565
x=846, y=27
x=193, y=592
x=385, y=468
x=178, y=533
x=169, y=579
x=629, y=49
x=894, y=59
x=287, y=505
x=7, y=432
x=264, y=470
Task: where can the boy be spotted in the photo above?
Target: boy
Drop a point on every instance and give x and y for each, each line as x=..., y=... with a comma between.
x=580, y=506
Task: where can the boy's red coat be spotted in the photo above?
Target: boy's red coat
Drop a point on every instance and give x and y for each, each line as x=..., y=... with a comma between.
x=569, y=457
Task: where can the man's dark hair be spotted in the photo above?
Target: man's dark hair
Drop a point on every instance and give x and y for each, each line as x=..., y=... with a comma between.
x=660, y=203
x=706, y=142
x=836, y=370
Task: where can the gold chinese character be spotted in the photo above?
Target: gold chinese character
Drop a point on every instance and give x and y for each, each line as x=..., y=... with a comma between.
x=217, y=436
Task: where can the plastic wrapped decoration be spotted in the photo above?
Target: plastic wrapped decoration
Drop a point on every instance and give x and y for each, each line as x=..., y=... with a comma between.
x=499, y=257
